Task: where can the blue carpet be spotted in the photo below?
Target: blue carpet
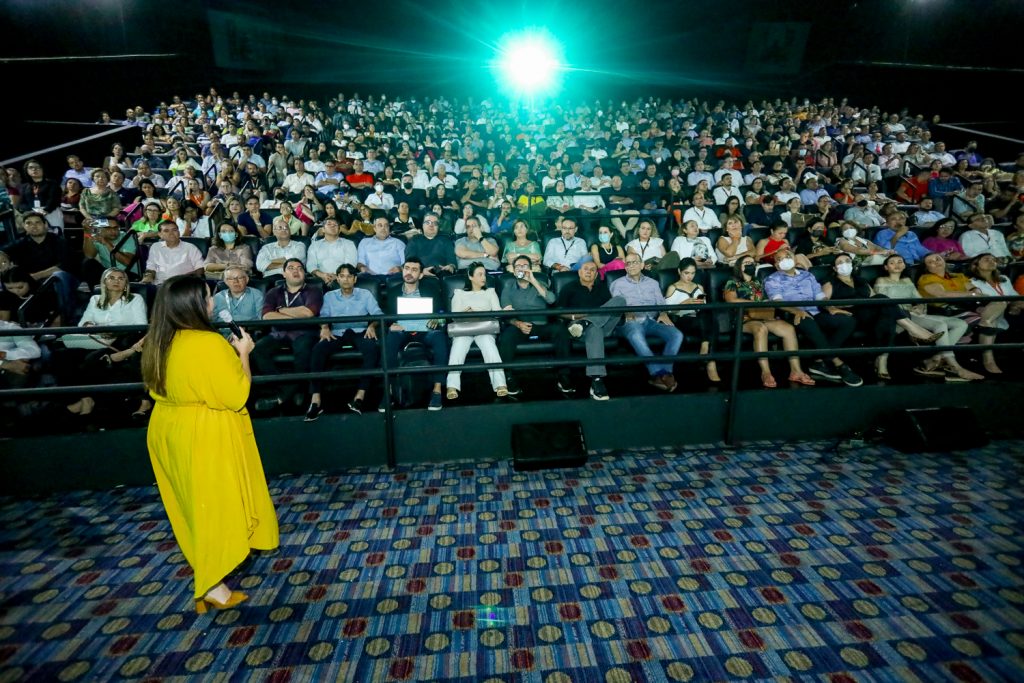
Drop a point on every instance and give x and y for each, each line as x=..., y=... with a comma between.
x=775, y=560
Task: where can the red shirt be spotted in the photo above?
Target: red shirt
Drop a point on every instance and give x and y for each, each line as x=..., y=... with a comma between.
x=355, y=178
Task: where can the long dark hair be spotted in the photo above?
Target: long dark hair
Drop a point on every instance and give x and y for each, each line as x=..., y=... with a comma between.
x=180, y=305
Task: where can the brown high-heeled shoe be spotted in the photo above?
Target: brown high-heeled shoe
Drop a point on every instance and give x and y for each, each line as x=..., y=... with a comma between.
x=203, y=603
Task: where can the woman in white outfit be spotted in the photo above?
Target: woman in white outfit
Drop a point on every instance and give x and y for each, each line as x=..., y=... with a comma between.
x=476, y=296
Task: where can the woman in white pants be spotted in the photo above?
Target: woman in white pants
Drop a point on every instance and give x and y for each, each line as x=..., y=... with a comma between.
x=943, y=364
x=475, y=297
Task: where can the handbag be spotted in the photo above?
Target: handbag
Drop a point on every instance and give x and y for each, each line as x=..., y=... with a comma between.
x=472, y=328
x=90, y=342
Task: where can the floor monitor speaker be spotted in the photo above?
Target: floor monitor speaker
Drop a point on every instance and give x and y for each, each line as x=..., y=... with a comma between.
x=547, y=445
x=924, y=430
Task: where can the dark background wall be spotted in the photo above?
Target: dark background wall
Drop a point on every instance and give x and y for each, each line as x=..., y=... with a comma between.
x=957, y=59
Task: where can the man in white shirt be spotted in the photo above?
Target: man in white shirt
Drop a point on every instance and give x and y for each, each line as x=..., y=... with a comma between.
x=698, y=174
x=727, y=168
x=865, y=170
x=941, y=155
x=442, y=178
x=145, y=172
x=599, y=180
x=295, y=182
x=171, y=256
x=324, y=256
x=726, y=190
x=787, y=190
x=982, y=239
x=565, y=252
x=314, y=165
x=706, y=218
x=420, y=178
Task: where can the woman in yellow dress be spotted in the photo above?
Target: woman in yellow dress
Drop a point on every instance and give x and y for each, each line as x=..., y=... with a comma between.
x=201, y=442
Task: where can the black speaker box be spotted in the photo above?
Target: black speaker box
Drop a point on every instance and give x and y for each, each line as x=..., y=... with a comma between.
x=924, y=430
x=547, y=445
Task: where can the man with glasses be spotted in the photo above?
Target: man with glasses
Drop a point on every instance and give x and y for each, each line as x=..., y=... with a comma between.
x=639, y=290
x=436, y=253
x=241, y=301
x=565, y=252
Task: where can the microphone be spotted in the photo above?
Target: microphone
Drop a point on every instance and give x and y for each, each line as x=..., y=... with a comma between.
x=225, y=317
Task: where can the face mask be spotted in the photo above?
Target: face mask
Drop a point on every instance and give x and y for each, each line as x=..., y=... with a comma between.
x=849, y=233
x=405, y=136
x=407, y=186
x=817, y=233
x=786, y=264
x=604, y=238
x=844, y=268
x=750, y=269
x=378, y=188
x=227, y=237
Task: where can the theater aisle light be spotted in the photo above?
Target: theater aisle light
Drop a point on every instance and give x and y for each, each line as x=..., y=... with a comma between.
x=529, y=63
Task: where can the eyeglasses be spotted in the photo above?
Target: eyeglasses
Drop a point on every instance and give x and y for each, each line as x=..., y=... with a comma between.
x=236, y=278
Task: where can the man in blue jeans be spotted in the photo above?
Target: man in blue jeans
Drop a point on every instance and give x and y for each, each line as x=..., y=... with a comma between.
x=639, y=290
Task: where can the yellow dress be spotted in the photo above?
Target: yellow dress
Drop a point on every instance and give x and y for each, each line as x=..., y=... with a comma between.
x=204, y=455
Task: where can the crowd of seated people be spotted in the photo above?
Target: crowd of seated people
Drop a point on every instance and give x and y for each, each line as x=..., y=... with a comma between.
x=291, y=209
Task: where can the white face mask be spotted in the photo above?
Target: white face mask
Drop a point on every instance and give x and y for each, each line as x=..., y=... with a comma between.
x=786, y=264
x=844, y=268
x=849, y=233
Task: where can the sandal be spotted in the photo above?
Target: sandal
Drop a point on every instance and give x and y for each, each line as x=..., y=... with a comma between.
x=930, y=339
x=881, y=374
x=712, y=369
x=801, y=378
x=768, y=381
x=926, y=371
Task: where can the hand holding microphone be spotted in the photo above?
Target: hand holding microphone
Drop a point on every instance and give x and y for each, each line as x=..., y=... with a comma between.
x=241, y=340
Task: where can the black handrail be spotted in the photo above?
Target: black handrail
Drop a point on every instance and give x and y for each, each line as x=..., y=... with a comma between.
x=736, y=355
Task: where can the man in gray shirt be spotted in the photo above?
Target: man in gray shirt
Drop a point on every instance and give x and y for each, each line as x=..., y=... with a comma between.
x=528, y=294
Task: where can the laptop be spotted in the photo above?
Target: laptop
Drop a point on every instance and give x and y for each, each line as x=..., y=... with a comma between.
x=409, y=305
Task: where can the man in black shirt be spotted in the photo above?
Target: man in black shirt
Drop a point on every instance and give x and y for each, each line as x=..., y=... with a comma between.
x=44, y=254
x=437, y=254
x=587, y=292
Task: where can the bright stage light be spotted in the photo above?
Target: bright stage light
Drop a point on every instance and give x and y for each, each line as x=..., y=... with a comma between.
x=529, y=63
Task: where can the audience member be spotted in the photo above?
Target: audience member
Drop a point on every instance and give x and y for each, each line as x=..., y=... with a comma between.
x=293, y=299
x=347, y=300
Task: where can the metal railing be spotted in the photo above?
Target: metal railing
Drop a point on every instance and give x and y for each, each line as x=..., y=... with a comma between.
x=735, y=355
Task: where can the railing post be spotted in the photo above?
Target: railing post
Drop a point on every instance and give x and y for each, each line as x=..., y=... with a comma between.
x=734, y=383
x=389, y=413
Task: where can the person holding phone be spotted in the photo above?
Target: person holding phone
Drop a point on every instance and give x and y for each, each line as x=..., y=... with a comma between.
x=690, y=321
x=201, y=441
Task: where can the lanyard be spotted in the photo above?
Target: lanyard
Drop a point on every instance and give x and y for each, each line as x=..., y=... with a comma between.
x=289, y=302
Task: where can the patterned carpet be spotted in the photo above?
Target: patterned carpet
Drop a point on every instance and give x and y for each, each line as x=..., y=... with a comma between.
x=796, y=561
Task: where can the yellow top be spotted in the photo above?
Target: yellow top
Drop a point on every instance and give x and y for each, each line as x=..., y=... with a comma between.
x=204, y=455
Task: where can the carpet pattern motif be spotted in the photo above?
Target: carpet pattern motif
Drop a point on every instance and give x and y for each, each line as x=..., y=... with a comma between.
x=775, y=560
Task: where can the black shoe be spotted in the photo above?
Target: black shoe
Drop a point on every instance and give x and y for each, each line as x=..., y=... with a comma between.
x=315, y=410
x=382, y=408
x=597, y=390
x=513, y=388
x=849, y=377
x=265, y=405
x=821, y=370
x=565, y=385
x=356, y=406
